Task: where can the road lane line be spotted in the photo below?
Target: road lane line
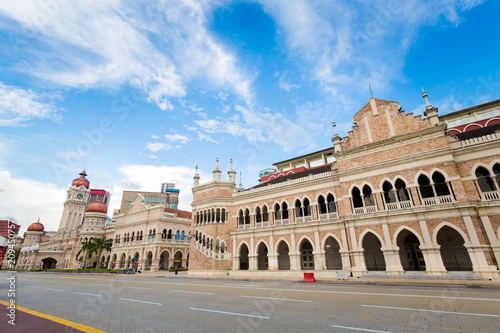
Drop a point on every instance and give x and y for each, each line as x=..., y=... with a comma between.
x=136, y=287
x=326, y=291
x=135, y=300
x=32, y=286
x=437, y=290
x=279, y=299
x=76, y=292
x=192, y=292
x=54, y=289
x=358, y=329
x=65, y=322
x=423, y=310
x=73, y=282
x=242, y=285
x=230, y=313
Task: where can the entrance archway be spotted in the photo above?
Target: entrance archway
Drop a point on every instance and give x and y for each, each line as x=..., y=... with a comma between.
x=306, y=255
x=49, y=263
x=262, y=259
x=374, y=258
x=178, y=259
x=164, y=260
x=453, y=252
x=332, y=254
x=244, y=257
x=149, y=260
x=122, y=260
x=283, y=257
x=412, y=258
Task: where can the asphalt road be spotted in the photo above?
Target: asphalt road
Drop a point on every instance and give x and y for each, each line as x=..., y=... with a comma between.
x=179, y=304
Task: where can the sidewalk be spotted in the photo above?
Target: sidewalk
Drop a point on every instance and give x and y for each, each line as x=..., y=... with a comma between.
x=362, y=280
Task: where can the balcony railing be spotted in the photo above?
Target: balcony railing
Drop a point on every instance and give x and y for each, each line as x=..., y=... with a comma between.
x=303, y=219
x=399, y=205
x=443, y=199
x=328, y=216
x=243, y=226
x=262, y=224
x=365, y=210
x=281, y=222
x=491, y=195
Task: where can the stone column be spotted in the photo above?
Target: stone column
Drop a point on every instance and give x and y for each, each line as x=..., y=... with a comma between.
x=155, y=265
x=319, y=260
x=295, y=262
x=273, y=262
x=433, y=261
x=236, y=263
x=252, y=262
x=346, y=260
x=359, y=268
x=392, y=262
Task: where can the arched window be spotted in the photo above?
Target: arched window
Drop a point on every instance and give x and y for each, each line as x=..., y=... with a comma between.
x=484, y=180
x=133, y=234
x=258, y=216
x=182, y=235
x=222, y=247
x=389, y=194
x=322, y=205
x=298, y=209
x=164, y=234
x=196, y=235
x=437, y=192
x=217, y=215
x=398, y=197
x=302, y=212
x=496, y=172
x=247, y=218
x=241, y=220
x=223, y=215
x=284, y=211
x=169, y=235
x=277, y=212
x=363, y=202
x=177, y=235
x=265, y=214
x=217, y=246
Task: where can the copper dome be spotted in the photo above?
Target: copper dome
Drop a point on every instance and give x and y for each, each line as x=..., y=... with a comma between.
x=81, y=180
x=37, y=226
x=97, y=207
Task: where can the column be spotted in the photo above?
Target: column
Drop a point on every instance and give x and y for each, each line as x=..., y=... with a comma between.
x=252, y=262
x=273, y=262
x=319, y=254
x=391, y=255
x=359, y=267
x=490, y=232
x=155, y=265
x=432, y=255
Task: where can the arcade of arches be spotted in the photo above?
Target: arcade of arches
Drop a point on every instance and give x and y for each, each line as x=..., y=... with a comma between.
x=451, y=251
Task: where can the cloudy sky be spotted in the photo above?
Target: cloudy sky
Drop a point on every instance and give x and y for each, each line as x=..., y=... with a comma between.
x=139, y=92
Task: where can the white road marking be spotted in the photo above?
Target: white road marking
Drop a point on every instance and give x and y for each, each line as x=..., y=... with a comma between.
x=423, y=310
x=326, y=291
x=76, y=292
x=230, y=313
x=54, y=289
x=192, y=292
x=242, y=285
x=136, y=287
x=358, y=329
x=32, y=286
x=279, y=299
x=110, y=285
x=436, y=290
x=73, y=282
x=135, y=300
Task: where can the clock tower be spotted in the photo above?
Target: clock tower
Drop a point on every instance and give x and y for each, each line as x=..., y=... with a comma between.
x=76, y=203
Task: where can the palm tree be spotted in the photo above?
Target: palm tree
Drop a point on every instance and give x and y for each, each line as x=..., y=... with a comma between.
x=87, y=247
x=99, y=245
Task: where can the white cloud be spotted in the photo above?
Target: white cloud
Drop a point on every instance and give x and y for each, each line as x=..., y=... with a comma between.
x=158, y=47
x=155, y=137
x=286, y=84
x=18, y=106
x=262, y=126
x=26, y=200
x=177, y=138
x=156, y=146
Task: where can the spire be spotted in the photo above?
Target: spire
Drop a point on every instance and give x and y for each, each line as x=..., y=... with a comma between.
x=217, y=171
x=427, y=104
x=231, y=172
x=240, y=186
x=337, y=142
x=196, y=177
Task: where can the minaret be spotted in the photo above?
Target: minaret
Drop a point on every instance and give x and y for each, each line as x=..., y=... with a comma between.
x=217, y=172
x=231, y=173
x=196, y=177
x=430, y=111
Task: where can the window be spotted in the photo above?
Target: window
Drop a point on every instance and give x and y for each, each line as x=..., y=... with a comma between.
x=363, y=202
x=437, y=192
x=488, y=186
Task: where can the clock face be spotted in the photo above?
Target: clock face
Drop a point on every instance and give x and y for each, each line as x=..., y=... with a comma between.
x=79, y=196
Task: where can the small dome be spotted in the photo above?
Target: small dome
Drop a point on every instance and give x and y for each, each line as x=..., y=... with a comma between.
x=81, y=180
x=37, y=226
x=97, y=207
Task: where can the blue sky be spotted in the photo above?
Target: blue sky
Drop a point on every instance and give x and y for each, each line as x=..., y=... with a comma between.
x=139, y=92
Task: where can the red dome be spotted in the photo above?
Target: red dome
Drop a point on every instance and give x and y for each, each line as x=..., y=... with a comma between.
x=37, y=226
x=97, y=207
x=81, y=180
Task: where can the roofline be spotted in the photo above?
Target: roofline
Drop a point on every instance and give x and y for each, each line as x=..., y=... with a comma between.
x=472, y=108
x=297, y=157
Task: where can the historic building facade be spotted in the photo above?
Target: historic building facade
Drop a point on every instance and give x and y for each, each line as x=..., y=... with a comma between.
x=147, y=235
x=151, y=237
x=80, y=221
x=400, y=194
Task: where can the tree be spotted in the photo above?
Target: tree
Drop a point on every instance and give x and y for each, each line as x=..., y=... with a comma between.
x=99, y=245
x=87, y=247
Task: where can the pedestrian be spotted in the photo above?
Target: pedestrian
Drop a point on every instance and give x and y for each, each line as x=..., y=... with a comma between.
x=175, y=270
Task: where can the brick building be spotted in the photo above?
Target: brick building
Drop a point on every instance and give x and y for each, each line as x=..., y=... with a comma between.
x=399, y=195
